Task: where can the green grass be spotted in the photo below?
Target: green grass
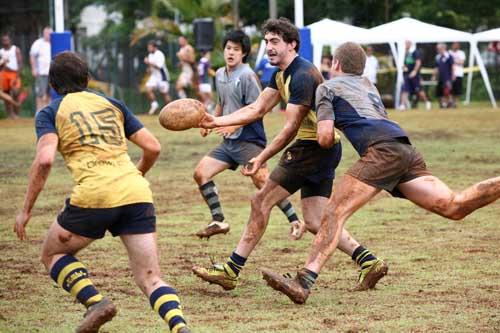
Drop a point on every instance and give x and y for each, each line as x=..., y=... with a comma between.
x=444, y=275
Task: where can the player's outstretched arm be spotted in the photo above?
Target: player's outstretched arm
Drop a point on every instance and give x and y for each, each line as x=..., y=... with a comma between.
x=246, y=115
x=294, y=115
x=150, y=149
x=325, y=116
x=40, y=169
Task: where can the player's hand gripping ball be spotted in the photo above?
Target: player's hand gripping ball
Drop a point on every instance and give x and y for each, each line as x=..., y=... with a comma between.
x=182, y=114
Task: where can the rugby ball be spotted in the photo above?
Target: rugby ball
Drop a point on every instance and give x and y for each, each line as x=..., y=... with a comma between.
x=182, y=114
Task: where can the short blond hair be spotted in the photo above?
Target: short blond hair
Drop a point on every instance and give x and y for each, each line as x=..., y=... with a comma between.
x=352, y=58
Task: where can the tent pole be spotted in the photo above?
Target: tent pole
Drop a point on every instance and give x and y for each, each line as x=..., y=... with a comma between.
x=484, y=74
x=399, y=81
x=469, y=75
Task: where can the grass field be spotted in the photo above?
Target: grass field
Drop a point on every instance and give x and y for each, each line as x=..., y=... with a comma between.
x=443, y=276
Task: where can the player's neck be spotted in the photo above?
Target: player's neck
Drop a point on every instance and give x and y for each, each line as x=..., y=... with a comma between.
x=232, y=68
x=287, y=61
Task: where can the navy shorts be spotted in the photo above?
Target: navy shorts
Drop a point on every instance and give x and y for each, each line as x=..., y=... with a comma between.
x=137, y=218
x=411, y=85
x=236, y=152
x=306, y=166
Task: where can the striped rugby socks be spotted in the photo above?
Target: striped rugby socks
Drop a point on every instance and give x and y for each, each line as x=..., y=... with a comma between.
x=211, y=196
x=72, y=276
x=166, y=303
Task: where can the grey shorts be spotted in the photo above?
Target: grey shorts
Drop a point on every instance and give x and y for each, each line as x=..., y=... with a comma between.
x=235, y=152
x=42, y=85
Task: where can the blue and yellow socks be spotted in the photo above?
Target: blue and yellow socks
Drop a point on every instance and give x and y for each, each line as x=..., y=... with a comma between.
x=234, y=265
x=166, y=303
x=72, y=276
x=363, y=257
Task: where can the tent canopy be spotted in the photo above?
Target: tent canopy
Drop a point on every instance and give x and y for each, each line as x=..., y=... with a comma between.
x=488, y=35
x=419, y=32
x=330, y=32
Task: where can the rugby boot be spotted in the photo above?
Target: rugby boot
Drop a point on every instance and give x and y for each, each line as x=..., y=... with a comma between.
x=183, y=329
x=371, y=272
x=217, y=275
x=292, y=287
x=96, y=316
x=213, y=228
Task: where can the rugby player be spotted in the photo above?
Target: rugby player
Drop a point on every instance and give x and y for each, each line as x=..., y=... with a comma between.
x=388, y=161
x=237, y=86
x=305, y=165
x=111, y=193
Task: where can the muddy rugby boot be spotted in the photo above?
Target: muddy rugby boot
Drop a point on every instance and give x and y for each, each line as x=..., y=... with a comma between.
x=371, y=272
x=213, y=228
x=96, y=316
x=289, y=286
x=217, y=275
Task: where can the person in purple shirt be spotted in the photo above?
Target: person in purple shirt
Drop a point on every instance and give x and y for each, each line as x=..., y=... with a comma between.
x=443, y=70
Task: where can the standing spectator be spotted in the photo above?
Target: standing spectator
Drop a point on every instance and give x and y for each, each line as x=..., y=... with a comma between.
x=159, y=77
x=11, y=62
x=458, y=71
x=204, y=69
x=40, y=56
x=411, y=76
x=371, y=66
x=265, y=71
x=444, y=72
x=186, y=57
x=326, y=66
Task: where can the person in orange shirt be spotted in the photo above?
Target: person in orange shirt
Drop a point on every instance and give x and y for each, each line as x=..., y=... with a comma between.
x=11, y=62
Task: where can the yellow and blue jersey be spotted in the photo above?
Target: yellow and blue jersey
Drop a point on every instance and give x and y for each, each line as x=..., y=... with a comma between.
x=92, y=131
x=297, y=85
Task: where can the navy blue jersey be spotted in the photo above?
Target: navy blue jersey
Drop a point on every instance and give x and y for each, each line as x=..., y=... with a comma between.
x=354, y=104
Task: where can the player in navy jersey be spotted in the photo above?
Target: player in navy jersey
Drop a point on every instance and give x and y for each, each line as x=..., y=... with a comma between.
x=387, y=161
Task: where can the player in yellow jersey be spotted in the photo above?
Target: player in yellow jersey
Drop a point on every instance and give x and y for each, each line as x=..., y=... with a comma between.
x=304, y=165
x=111, y=193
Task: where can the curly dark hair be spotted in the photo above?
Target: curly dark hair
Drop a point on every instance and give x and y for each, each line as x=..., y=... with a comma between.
x=283, y=28
x=68, y=73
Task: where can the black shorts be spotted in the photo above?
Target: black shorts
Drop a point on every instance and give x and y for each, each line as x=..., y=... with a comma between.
x=308, y=167
x=443, y=89
x=456, y=89
x=385, y=165
x=137, y=218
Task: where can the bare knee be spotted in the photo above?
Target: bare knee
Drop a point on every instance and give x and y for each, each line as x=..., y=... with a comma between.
x=199, y=177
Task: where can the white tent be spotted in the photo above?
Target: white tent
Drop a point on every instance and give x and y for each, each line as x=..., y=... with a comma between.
x=488, y=36
x=332, y=33
x=484, y=36
x=419, y=32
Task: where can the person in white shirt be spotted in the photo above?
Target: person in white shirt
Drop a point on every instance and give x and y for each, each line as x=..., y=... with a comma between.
x=458, y=71
x=40, y=57
x=371, y=66
x=159, y=76
x=11, y=62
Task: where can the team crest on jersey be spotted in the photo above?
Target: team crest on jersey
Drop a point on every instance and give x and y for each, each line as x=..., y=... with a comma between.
x=288, y=156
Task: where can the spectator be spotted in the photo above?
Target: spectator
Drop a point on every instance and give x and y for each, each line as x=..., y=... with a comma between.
x=204, y=70
x=159, y=76
x=40, y=56
x=11, y=62
x=371, y=66
x=326, y=66
x=411, y=76
x=458, y=71
x=444, y=73
x=186, y=57
x=265, y=71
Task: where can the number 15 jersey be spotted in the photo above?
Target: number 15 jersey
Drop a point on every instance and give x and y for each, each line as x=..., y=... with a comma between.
x=92, y=131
